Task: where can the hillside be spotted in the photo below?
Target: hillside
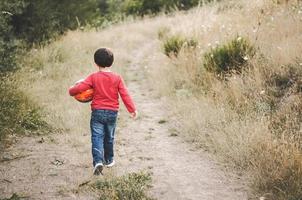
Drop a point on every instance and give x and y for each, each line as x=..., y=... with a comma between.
x=198, y=129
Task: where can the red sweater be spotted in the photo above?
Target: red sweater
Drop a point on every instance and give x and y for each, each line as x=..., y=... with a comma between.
x=107, y=86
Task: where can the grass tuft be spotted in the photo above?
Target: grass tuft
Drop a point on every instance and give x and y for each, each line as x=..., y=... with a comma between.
x=173, y=45
x=129, y=187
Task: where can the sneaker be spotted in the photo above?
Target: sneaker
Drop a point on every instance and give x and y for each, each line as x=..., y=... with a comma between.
x=98, y=169
x=110, y=164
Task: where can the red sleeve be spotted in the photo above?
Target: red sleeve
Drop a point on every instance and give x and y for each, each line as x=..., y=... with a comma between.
x=81, y=87
x=123, y=91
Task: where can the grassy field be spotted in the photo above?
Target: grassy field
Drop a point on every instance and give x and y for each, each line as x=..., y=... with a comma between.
x=250, y=118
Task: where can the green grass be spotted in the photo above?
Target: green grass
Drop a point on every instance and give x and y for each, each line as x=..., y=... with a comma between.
x=132, y=186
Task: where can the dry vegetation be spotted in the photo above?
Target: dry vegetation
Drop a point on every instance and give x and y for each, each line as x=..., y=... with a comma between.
x=250, y=118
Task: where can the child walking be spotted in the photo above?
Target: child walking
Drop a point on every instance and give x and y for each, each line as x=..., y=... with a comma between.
x=107, y=88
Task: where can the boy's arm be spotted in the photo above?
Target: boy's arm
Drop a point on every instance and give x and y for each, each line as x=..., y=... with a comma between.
x=81, y=87
x=123, y=91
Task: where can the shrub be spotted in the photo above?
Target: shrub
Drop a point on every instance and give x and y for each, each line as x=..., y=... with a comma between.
x=173, y=45
x=232, y=56
x=128, y=187
x=8, y=41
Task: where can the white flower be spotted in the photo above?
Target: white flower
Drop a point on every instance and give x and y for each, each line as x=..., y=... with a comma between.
x=246, y=58
x=239, y=39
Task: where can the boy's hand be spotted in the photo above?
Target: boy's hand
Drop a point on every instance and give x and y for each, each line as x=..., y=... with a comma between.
x=134, y=115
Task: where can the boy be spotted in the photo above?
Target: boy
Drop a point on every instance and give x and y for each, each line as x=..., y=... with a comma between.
x=107, y=88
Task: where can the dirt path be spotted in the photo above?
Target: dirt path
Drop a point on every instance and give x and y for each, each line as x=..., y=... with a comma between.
x=52, y=167
x=179, y=171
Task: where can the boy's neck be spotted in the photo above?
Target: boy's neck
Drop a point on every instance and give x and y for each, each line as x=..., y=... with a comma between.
x=104, y=69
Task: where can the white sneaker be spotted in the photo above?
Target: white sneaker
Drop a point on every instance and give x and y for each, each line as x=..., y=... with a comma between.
x=110, y=164
x=98, y=169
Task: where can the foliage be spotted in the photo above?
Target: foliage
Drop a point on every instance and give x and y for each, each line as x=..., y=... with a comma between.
x=232, y=56
x=24, y=22
x=144, y=7
x=129, y=187
x=8, y=42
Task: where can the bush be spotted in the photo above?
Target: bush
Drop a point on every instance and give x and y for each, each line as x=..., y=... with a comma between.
x=24, y=22
x=142, y=7
x=229, y=57
x=8, y=42
x=128, y=187
x=173, y=45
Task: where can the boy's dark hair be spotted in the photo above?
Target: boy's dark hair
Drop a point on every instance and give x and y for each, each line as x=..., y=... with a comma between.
x=103, y=57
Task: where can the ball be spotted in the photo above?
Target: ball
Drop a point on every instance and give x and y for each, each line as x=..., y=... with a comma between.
x=86, y=96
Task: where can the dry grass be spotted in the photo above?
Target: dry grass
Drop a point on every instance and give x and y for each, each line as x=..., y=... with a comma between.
x=252, y=119
x=233, y=118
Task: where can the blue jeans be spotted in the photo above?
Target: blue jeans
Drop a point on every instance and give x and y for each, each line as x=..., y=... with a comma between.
x=102, y=125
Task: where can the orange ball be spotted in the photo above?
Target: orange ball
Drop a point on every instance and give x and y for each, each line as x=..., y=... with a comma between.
x=85, y=96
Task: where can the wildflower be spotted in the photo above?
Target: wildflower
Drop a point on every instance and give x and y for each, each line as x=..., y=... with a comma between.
x=239, y=39
x=246, y=58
